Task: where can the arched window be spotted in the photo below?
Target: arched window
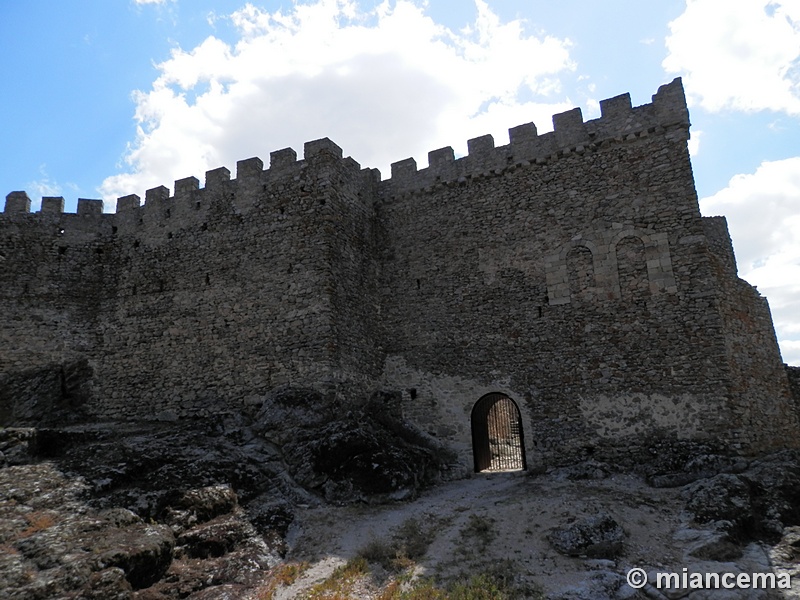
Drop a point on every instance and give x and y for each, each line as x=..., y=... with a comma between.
x=497, y=442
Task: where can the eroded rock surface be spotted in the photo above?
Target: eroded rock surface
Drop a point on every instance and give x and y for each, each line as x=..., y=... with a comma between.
x=199, y=509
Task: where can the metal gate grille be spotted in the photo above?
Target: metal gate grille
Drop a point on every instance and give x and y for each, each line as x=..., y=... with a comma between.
x=497, y=434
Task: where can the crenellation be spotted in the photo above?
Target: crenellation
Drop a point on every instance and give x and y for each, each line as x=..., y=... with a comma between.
x=185, y=186
x=217, y=179
x=351, y=164
x=522, y=134
x=569, y=128
x=570, y=270
x=441, y=158
x=249, y=169
x=282, y=159
x=128, y=203
x=18, y=202
x=156, y=194
x=403, y=170
x=616, y=107
x=481, y=146
x=52, y=205
x=371, y=178
x=619, y=123
x=669, y=105
x=323, y=147
x=89, y=207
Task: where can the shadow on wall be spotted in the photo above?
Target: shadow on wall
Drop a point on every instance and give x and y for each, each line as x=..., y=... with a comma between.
x=51, y=394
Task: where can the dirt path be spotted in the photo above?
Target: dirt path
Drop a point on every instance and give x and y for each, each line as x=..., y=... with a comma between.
x=490, y=520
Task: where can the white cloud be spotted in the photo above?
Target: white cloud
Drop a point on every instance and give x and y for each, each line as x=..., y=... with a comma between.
x=738, y=54
x=383, y=85
x=694, y=142
x=44, y=186
x=150, y=1
x=763, y=212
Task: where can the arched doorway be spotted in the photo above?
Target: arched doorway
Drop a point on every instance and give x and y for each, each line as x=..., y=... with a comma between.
x=497, y=441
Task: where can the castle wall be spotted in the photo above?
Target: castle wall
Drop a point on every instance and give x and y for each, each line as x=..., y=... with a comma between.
x=54, y=278
x=762, y=408
x=202, y=302
x=571, y=271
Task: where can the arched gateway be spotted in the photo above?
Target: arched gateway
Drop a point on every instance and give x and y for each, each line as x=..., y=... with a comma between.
x=497, y=441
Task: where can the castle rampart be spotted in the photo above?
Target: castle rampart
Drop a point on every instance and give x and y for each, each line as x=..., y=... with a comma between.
x=571, y=271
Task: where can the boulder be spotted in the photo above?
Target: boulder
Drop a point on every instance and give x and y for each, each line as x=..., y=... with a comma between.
x=599, y=536
x=199, y=505
x=215, y=538
x=724, y=497
x=776, y=483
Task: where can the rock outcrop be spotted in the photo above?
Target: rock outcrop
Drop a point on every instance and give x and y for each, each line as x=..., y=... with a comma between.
x=158, y=509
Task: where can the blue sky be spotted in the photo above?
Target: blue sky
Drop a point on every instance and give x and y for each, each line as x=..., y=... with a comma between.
x=103, y=98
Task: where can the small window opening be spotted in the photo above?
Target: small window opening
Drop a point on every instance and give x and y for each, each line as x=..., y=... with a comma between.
x=136, y=243
x=418, y=284
x=114, y=229
x=322, y=201
x=208, y=279
x=60, y=231
x=62, y=250
x=413, y=393
x=497, y=440
x=167, y=214
x=197, y=205
x=98, y=250
x=169, y=235
x=539, y=310
x=204, y=227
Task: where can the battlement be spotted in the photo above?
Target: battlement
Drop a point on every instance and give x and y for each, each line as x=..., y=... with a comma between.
x=284, y=165
x=571, y=271
x=189, y=202
x=619, y=121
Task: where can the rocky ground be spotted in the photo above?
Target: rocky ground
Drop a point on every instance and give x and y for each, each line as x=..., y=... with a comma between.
x=294, y=505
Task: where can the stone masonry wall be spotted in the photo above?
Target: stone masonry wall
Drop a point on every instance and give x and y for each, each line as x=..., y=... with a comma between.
x=759, y=388
x=204, y=301
x=571, y=271
x=54, y=279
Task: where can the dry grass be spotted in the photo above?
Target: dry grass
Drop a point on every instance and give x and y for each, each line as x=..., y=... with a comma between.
x=341, y=584
x=283, y=575
x=409, y=543
x=37, y=521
